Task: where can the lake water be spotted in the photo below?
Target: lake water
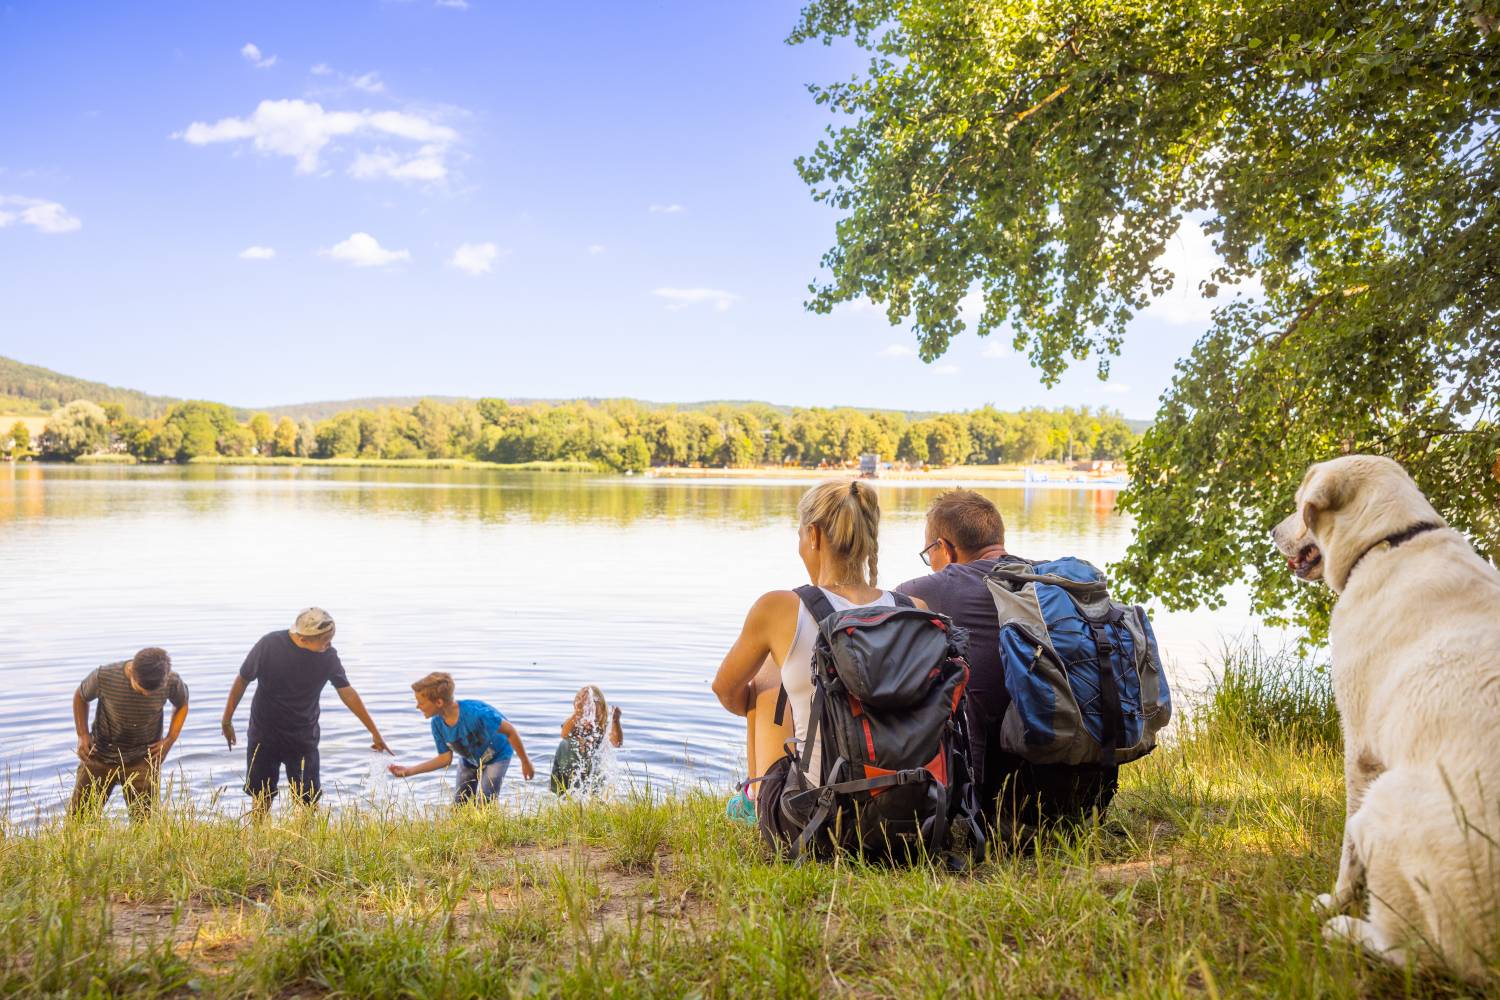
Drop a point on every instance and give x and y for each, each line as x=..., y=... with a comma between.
x=523, y=586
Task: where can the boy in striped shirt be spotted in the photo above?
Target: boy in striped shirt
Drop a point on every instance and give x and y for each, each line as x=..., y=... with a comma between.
x=125, y=747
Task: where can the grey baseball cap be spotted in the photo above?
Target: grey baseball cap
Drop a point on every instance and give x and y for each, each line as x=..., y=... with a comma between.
x=313, y=622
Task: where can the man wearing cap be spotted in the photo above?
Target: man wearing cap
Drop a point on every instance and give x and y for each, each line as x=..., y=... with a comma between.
x=290, y=668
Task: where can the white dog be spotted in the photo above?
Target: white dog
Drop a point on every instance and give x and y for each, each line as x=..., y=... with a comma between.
x=1415, y=639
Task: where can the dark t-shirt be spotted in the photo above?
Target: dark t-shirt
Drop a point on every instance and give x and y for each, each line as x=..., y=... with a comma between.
x=289, y=681
x=959, y=592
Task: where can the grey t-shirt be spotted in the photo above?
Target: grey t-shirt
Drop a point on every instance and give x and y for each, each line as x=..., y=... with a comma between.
x=127, y=722
x=959, y=592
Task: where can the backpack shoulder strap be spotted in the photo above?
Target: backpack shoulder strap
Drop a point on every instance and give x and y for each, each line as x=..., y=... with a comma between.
x=902, y=601
x=817, y=603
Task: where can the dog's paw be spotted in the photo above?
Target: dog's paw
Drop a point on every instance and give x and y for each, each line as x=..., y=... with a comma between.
x=1342, y=928
x=1329, y=904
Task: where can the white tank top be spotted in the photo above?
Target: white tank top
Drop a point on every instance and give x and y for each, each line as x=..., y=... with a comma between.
x=797, y=667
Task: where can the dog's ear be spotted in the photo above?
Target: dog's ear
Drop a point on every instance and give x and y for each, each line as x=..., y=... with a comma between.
x=1324, y=490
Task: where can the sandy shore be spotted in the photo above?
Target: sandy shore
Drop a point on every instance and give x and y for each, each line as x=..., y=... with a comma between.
x=1056, y=474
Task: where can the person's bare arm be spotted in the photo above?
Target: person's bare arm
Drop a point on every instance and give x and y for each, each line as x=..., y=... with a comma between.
x=616, y=734
x=236, y=692
x=351, y=700
x=743, y=661
x=509, y=732
x=437, y=763
x=158, y=750
x=81, y=724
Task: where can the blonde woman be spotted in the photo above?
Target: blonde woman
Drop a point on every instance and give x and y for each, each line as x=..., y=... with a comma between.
x=837, y=538
x=582, y=735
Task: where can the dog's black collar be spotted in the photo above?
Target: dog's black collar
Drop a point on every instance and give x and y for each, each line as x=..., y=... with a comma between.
x=1394, y=540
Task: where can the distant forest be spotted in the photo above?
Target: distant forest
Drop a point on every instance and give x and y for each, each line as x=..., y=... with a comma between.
x=615, y=434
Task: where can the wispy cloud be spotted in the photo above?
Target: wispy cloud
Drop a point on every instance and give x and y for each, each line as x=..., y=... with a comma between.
x=363, y=250
x=44, y=216
x=253, y=56
x=454, y=4
x=257, y=253
x=595, y=249
x=898, y=351
x=302, y=130
x=681, y=298
x=369, y=83
x=994, y=348
x=474, y=258
x=672, y=209
x=945, y=369
x=1191, y=258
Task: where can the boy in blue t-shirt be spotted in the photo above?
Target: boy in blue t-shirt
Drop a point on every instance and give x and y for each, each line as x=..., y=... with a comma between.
x=477, y=732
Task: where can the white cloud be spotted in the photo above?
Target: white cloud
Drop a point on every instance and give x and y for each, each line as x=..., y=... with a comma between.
x=427, y=165
x=257, y=253
x=38, y=213
x=898, y=351
x=370, y=83
x=995, y=348
x=1190, y=256
x=252, y=55
x=363, y=250
x=454, y=4
x=681, y=298
x=302, y=130
x=945, y=369
x=672, y=209
x=595, y=249
x=322, y=69
x=474, y=258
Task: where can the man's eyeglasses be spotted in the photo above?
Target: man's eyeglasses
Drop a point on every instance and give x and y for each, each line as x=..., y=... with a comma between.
x=926, y=554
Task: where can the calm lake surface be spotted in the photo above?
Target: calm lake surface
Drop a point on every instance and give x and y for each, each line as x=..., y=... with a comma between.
x=523, y=586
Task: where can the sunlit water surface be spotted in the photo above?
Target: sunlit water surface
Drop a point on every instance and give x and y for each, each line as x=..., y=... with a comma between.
x=522, y=586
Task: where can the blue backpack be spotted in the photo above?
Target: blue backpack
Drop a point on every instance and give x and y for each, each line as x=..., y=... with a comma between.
x=1083, y=672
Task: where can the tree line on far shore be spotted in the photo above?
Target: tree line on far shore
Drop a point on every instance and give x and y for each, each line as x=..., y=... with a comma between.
x=617, y=434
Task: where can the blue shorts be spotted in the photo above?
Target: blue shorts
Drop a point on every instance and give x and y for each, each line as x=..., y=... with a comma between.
x=264, y=763
x=482, y=780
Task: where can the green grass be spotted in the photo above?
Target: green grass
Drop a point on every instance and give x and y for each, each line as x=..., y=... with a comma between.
x=1199, y=886
x=106, y=458
x=399, y=463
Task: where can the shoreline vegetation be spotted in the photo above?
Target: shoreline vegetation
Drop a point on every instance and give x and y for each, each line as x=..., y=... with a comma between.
x=1055, y=473
x=1199, y=884
x=608, y=435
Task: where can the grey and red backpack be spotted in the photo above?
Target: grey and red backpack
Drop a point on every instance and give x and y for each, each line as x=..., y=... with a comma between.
x=893, y=777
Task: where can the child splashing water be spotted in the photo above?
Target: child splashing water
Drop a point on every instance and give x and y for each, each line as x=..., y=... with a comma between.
x=576, y=764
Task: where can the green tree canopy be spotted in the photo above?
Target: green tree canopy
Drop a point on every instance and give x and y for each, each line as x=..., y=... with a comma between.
x=80, y=428
x=18, y=442
x=1044, y=151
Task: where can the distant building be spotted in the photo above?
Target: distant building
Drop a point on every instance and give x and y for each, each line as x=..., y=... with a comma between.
x=869, y=466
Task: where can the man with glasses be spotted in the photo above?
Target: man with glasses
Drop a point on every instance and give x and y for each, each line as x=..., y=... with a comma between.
x=965, y=542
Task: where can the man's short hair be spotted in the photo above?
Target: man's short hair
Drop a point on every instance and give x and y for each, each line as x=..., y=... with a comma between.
x=966, y=519
x=150, y=667
x=436, y=686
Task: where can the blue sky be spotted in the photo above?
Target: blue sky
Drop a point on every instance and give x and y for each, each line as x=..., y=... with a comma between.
x=267, y=203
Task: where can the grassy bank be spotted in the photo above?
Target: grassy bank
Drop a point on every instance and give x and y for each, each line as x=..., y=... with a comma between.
x=1199, y=886
x=401, y=463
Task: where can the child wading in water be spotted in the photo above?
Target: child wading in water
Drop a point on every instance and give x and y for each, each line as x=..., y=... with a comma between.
x=582, y=735
x=484, y=740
